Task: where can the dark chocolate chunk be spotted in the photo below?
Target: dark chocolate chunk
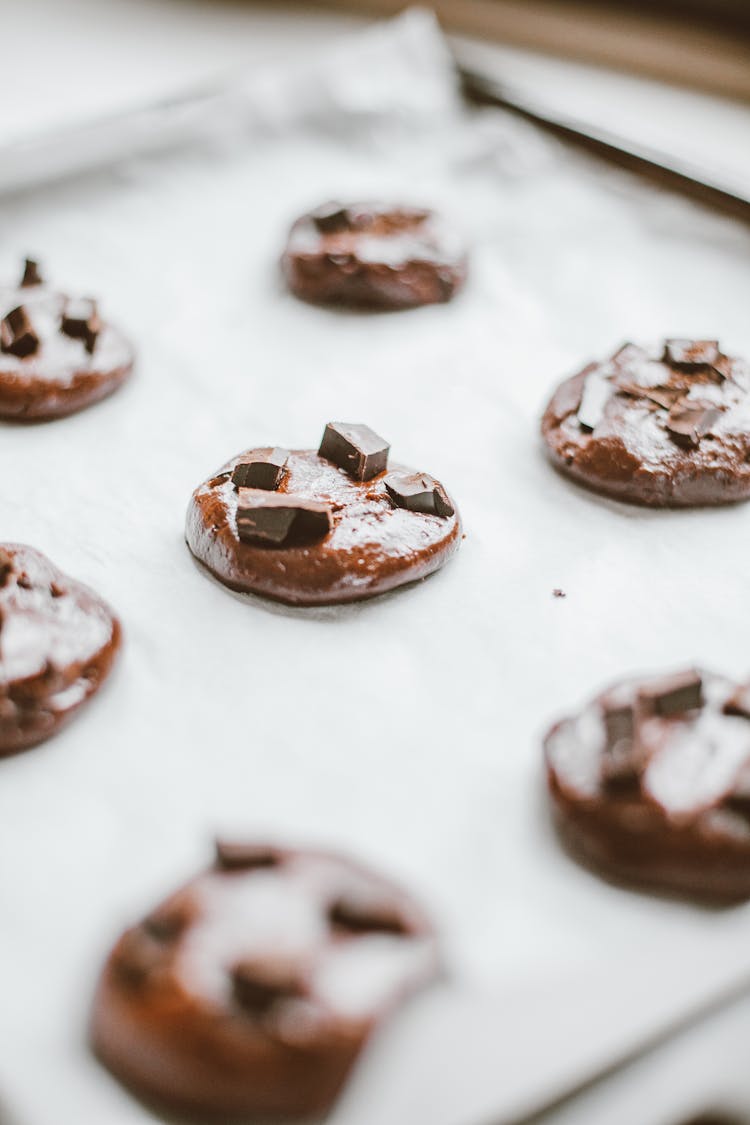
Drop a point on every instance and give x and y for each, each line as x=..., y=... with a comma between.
x=356, y=449
x=80, y=321
x=722, y=369
x=258, y=982
x=261, y=470
x=362, y=914
x=739, y=702
x=17, y=335
x=618, y=763
x=596, y=392
x=687, y=355
x=233, y=856
x=280, y=520
x=627, y=354
x=167, y=923
x=418, y=492
x=31, y=275
x=673, y=695
x=618, y=723
x=665, y=397
x=139, y=955
x=330, y=217
x=689, y=422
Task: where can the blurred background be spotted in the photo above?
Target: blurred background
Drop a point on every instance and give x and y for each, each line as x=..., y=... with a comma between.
x=670, y=74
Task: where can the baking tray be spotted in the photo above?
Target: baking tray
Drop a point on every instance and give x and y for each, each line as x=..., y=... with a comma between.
x=405, y=730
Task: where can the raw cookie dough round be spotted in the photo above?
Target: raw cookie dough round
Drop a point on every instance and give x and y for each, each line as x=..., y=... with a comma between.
x=373, y=255
x=650, y=784
x=252, y=989
x=57, y=355
x=58, y=641
x=321, y=528
x=666, y=427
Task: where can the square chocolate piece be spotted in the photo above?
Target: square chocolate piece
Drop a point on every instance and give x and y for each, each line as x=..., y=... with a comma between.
x=689, y=354
x=31, y=275
x=17, y=335
x=80, y=321
x=330, y=218
x=356, y=449
x=232, y=855
x=628, y=353
x=418, y=492
x=280, y=520
x=259, y=982
x=673, y=695
x=689, y=422
x=262, y=469
x=619, y=724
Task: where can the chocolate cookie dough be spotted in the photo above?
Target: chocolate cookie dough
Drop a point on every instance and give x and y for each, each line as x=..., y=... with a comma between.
x=320, y=528
x=373, y=255
x=57, y=355
x=57, y=644
x=651, y=784
x=665, y=427
x=251, y=990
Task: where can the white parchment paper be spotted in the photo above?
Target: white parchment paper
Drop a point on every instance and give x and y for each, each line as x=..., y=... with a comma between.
x=405, y=730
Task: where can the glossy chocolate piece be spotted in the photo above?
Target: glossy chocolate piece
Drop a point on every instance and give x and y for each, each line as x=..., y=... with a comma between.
x=69, y=358
x=363, y=913
x=257, y=1004
x=673, y=695
x=58, y=641
x=691, y=354
x=279, y=521
x=419, y=492
x=356, y=449
x=234, y=856
x=263, y=469
x=373, y=256
x=17, y=335
x=619, y=722
x=330, y=217
x=31, y=275
x=373, y=545
x=80, y=320
x=688, y=423
x=664, y=427
x=260, y=982
x=650, y=784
